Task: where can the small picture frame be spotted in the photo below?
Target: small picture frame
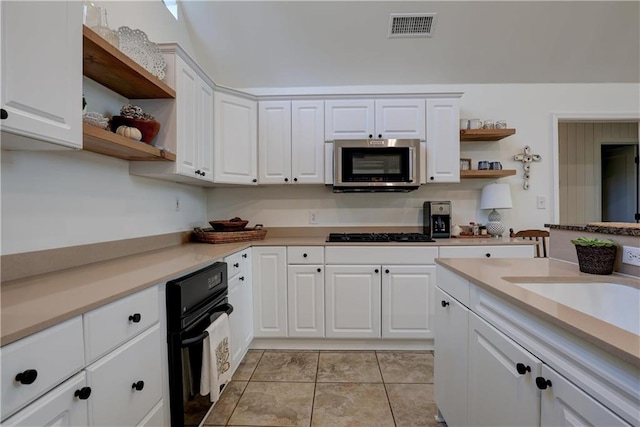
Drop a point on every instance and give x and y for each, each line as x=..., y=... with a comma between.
x=465, y=164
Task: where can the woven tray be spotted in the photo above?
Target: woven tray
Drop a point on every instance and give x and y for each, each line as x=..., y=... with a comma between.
x=208, y=235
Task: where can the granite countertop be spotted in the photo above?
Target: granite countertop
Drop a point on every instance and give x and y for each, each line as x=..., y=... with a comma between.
x=494, y=275
x=34, y=303
x=617, y=228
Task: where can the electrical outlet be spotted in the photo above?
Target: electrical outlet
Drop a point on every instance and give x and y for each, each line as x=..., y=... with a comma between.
x=541, y=202
x=631, y=255
x=313, y=217
x=177, y=204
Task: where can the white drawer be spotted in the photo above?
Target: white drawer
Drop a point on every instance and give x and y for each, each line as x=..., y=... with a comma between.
x=305, y=254
x=386, y=255
x=511, y=251
x=456, y=286
x=234, y=264
x=55, y=354
x=155, y=417
x=113, y=400
x=107, y=327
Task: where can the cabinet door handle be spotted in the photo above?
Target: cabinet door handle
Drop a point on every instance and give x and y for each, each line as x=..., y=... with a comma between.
x=286, y=180
x=137, y=385
x=295, y=179
x=542, y=383
x=203, y=173
x=304, y=255
x=254, y=180
x=236, y=265
x=376, y=270
x=3, y=114
x=488, y=255
x=83, y=393
x=135, y=318
x=370, y=135
x=27, y=377
x=319, y=270
x=444, y=303
x=380, y=136
x=522, y=368
x=244, y=255
x=198, y=172
x=387, y=271
x=431, y=178
x=241, y=278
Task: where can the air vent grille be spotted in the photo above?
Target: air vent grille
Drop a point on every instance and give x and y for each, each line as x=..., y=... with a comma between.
x=411, y=24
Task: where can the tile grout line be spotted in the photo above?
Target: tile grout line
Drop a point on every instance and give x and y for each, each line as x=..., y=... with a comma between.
x=386, y=393
x=245, y=387
x=315, y=389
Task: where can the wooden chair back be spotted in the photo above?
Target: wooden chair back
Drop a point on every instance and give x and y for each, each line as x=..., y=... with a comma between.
x=540, y=236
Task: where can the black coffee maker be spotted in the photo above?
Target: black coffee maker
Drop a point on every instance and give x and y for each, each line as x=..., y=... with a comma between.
x=437, y=219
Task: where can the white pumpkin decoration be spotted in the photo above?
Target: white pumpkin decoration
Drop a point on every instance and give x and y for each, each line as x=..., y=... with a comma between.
x=129, y=132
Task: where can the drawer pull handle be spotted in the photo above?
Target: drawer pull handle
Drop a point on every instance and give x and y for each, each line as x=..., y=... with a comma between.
x=319, y=270
x=236, y=265
x=135, y=318
x=522, y=368
x=542, y=383
x=387, y=271
x=137, y=385
x=3, y=114
x=244, y=255
x=304, y=255
x=27, y=377
x=488, y=255
x=444, y=303
x=241, y=278
x=83, y=393
x=376, y=270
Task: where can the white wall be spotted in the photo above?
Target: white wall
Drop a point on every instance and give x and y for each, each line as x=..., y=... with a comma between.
x=59, y=199
x=526, y=107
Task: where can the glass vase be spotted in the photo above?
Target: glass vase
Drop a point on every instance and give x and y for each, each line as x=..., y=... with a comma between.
x=103, y=30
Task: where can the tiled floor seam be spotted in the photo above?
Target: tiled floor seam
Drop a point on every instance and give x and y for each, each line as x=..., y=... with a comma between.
x=386, y=393
x=244, y=389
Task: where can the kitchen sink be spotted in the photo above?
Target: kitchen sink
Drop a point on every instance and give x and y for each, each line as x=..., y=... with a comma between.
x=615, y=303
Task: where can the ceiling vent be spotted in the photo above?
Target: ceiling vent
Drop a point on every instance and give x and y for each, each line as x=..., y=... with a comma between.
x=411, y=24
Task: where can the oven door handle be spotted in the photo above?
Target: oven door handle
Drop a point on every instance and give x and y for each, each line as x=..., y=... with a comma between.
x=228, y=308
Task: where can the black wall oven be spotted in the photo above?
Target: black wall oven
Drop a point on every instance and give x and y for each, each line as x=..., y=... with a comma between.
x=194, y=302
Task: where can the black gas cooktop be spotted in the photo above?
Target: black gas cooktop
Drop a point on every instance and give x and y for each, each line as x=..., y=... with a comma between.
x=378, y=237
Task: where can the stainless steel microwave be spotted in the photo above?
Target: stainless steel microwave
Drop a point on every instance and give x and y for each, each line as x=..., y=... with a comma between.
x=372, y=165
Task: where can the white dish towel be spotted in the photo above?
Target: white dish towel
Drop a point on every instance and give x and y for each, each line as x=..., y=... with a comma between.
x=216, y=358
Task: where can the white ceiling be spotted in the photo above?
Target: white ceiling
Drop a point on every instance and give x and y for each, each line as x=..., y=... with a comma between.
x=247, y=44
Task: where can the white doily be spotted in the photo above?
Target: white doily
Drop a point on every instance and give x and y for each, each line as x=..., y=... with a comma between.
x=136, y=45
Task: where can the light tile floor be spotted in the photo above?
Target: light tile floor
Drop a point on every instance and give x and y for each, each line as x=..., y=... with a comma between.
x=329, y=388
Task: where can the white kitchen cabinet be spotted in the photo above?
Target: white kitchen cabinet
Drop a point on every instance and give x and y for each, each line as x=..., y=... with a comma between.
x=291, y=142
x=443, y=140
x=126, y=384
x=408, y=301
x=450, y=358
x=368, y=118
x=241, y=298
x=305, y=301
x=269, y=291
x=564, y=404
x=478, y=251
x=352, y=301
x=60, y=407
x=235, y=148
x=187, y=123
x=498, y=394
x=41, y=75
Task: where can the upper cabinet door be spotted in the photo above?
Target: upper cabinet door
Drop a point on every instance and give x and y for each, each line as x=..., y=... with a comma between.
x=349, y=119
x=235, y=146
x=42, y=73
x=274, y=136
x=400, y=119
x=307, y=142
x=205, y=130
x=187, y=120
x=443, y=140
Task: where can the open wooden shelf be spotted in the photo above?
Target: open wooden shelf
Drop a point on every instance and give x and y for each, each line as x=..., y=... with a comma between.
x=485, y=134
x=473, y=174
x=110, y=67
x=108, y=143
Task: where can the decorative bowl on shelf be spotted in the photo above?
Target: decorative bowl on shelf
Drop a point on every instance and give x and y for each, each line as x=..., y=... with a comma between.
x=234, y=224
x=149, y=128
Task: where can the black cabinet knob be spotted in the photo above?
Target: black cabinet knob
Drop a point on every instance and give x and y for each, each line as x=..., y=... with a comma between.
x=380, y=136
x=319, y=270
x=295, y=179
x=241, y=278
x=244, y=255
x=370, y=135
x=137, y=385
x=488, y=255
x=254, y=180
x=522, y=368
x=3, y=114
x=203, y=173
x=444, y=303
x=542, y=383
x=286, y=180
x=376, y=270
x=304, y=255
x=431, y=178
x=135, y=318
x=387, y=271
x=236, y=265
x=83, y=393
x=198, y=172
x=27, y=377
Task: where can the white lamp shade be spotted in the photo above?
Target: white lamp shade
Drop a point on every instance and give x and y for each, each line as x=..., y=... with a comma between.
x=496, y=196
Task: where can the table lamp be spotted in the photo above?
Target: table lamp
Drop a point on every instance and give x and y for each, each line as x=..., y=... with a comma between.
x=495, y=196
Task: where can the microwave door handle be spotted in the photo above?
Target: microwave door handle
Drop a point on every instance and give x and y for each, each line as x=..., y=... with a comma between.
x=412, y=155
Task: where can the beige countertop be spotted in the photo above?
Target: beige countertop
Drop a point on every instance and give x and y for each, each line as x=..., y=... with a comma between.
x=33, y=303
x=494, y=275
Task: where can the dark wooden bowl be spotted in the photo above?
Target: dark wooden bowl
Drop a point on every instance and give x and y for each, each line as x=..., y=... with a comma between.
x=228, y=225
x=148, y=128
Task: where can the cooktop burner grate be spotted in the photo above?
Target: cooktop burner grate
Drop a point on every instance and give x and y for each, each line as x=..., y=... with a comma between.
x=378, y=237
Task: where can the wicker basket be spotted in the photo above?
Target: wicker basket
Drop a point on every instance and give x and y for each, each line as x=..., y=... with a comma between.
x=596, y=259
x=209, y=235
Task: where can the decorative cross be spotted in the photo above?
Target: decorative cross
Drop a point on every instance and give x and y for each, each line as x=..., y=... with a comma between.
x=526, y=158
